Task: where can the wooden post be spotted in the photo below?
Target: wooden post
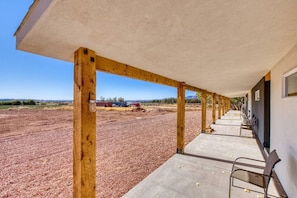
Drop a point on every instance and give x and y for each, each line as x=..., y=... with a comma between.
x=203, y=117
x=219, y=107
x=214, y=101
x=223, y=105
x=226, y=105
x=84, y=124
x=180, y=118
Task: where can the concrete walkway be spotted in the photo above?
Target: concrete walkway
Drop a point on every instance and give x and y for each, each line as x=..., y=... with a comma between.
x=204, y=169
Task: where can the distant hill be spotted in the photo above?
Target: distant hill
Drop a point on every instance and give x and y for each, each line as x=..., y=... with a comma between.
x=10, y=99
x=191, y=97
x=6, y=99
x=70, y=101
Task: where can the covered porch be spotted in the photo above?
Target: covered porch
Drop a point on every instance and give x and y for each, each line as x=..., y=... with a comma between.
x=204, y=169
x=217, y=48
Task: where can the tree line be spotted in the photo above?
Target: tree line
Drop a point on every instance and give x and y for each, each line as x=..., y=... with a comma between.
x=235, y=102
x=163, y=101
x=174, y=100
x=114, y=99
x=18, y=102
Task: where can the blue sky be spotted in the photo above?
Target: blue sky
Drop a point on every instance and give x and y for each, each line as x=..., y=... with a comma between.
x=29, y=76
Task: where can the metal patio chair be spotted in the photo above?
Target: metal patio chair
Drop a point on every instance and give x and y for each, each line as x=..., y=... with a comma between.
x=259, y=179
x=247, y=123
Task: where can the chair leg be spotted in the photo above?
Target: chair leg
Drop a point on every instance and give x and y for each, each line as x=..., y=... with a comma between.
x=265, y=192
x=230, y=181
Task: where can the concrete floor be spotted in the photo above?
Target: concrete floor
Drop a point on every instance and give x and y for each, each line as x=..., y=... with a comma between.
x=204, y=169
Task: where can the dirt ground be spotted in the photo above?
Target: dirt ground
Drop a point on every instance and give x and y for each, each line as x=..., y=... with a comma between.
x=36, y=149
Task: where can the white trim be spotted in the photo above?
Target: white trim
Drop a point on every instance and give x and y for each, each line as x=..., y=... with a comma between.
x=257, y=95
x=284, y=82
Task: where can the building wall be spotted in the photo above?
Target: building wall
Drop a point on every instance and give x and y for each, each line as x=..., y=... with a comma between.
x=284, y=125
x=250, y=103
x=258, y=109
x=267, y=116
x=261, y=110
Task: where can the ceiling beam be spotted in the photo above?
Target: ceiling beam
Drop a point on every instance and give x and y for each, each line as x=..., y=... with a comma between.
x=114, y=67
x=191, y=88
x=121, y=69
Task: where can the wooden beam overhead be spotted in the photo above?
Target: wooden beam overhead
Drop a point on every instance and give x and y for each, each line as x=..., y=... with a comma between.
x=121, y=69
x=84, y=124
x=191, y=88
x=268, y=76
x=114, y=67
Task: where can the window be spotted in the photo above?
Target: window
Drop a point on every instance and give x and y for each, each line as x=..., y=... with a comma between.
x=257, y=95
x=290, y=83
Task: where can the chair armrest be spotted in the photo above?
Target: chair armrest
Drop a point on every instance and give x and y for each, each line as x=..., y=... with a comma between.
x=246, y=170
x=246, y=158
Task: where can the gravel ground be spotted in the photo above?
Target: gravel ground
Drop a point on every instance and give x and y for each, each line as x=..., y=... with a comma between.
x=36, y=150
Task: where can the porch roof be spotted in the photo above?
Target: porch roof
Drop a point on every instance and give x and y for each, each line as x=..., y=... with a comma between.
x=221, y=46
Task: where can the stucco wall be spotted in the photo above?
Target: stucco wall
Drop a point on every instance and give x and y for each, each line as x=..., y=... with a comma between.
x=284, y=125
x=250, y=102
x=258, y=109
